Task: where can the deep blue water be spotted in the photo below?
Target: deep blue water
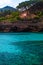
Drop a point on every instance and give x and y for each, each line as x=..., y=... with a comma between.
x=21, y=48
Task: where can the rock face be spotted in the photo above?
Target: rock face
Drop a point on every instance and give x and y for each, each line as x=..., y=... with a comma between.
x=34, y=25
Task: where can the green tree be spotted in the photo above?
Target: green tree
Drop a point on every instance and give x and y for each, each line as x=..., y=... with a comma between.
x=14, y=14
x=25, y=5
x=36, y=0
x=6, y=12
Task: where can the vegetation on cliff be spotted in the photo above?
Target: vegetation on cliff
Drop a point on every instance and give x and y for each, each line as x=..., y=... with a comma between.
x=12, y=15
x=28, y=16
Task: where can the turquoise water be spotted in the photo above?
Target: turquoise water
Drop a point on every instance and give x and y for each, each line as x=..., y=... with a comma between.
x=21, y=48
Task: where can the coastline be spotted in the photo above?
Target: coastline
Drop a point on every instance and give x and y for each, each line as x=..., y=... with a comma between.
x=21, y=26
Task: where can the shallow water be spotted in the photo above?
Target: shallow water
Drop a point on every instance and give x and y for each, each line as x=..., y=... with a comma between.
x=21, y=48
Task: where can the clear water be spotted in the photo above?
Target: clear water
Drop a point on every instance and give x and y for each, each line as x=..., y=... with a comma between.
x=21, y=48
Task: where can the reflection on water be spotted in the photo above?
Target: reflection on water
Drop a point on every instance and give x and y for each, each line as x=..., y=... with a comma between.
x=22, y=52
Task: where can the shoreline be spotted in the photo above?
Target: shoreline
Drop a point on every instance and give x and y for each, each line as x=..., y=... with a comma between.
x=21, y=27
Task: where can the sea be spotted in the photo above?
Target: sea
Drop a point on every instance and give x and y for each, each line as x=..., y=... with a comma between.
x=25, y=48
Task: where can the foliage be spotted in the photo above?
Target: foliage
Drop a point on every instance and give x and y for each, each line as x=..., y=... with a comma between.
x=10, y=16
x=25, y=5
x=13, y=16
x=36, y=0
x=39, y=14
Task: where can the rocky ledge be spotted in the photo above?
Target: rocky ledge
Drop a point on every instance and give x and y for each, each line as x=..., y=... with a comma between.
x=35, y=25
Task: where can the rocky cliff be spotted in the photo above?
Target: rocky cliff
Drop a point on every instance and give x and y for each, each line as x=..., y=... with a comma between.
x=34, y=24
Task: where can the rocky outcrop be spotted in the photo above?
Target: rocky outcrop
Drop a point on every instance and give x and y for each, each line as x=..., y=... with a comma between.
x=33, y=25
